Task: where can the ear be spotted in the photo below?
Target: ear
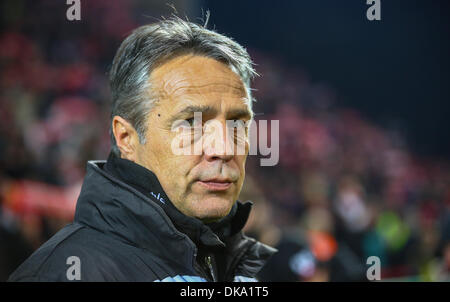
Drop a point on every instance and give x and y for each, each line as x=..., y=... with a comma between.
x=126, y=138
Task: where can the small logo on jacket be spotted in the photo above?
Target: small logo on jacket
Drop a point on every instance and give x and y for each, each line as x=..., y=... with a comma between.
x=158, y=197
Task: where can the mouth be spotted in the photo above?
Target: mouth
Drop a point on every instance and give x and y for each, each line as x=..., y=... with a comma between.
x=216, y=184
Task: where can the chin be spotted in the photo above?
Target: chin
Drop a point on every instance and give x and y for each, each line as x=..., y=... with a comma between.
x=212, y=208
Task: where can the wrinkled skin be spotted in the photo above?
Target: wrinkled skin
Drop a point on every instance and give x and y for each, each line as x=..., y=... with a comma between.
x=180, y=85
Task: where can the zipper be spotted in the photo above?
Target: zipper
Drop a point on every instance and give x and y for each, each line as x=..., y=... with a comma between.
x=211, y=270
x=205, y=269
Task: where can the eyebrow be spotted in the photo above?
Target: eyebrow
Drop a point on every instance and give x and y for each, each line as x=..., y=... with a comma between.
x=236, y=114
x=193, y=109
x=190, y=110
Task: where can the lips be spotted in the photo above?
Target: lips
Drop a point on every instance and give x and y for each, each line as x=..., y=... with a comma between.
x=216, y=184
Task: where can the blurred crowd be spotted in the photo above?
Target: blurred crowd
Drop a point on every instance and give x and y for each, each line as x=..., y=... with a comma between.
x=344, y=189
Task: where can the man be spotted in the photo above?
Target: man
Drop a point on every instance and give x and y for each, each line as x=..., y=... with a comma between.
x=149, y=213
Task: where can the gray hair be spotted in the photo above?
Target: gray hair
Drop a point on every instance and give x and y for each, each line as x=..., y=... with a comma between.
x=150, y=45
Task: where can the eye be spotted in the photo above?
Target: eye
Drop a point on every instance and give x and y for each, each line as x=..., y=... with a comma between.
x=190, y=121
x=239, y=123
x=238, y=128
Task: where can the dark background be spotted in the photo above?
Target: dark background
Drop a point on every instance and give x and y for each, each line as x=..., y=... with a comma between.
x=396, y=71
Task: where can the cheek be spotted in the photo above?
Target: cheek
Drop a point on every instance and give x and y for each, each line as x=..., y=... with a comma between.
x=177, y=165
x=180, y=170
x=240, y=162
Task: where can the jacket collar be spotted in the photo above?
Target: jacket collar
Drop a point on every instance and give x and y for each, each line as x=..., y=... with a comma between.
x=146, y=182
x=115, y=208
x=112, y=206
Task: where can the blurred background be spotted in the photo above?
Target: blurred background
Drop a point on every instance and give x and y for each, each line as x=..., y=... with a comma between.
x=363, y=107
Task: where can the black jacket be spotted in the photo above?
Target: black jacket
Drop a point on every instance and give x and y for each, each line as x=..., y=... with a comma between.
x=126, y=229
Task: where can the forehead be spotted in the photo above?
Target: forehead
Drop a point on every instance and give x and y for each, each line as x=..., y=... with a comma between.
x=199, y=79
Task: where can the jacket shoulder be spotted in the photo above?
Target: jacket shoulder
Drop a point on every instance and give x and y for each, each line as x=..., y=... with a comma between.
x=68, y=252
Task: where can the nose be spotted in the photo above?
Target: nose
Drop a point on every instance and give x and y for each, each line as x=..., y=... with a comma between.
x=216, y=142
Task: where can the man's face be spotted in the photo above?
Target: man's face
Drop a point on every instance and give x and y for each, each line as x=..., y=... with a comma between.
x=204, y=184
